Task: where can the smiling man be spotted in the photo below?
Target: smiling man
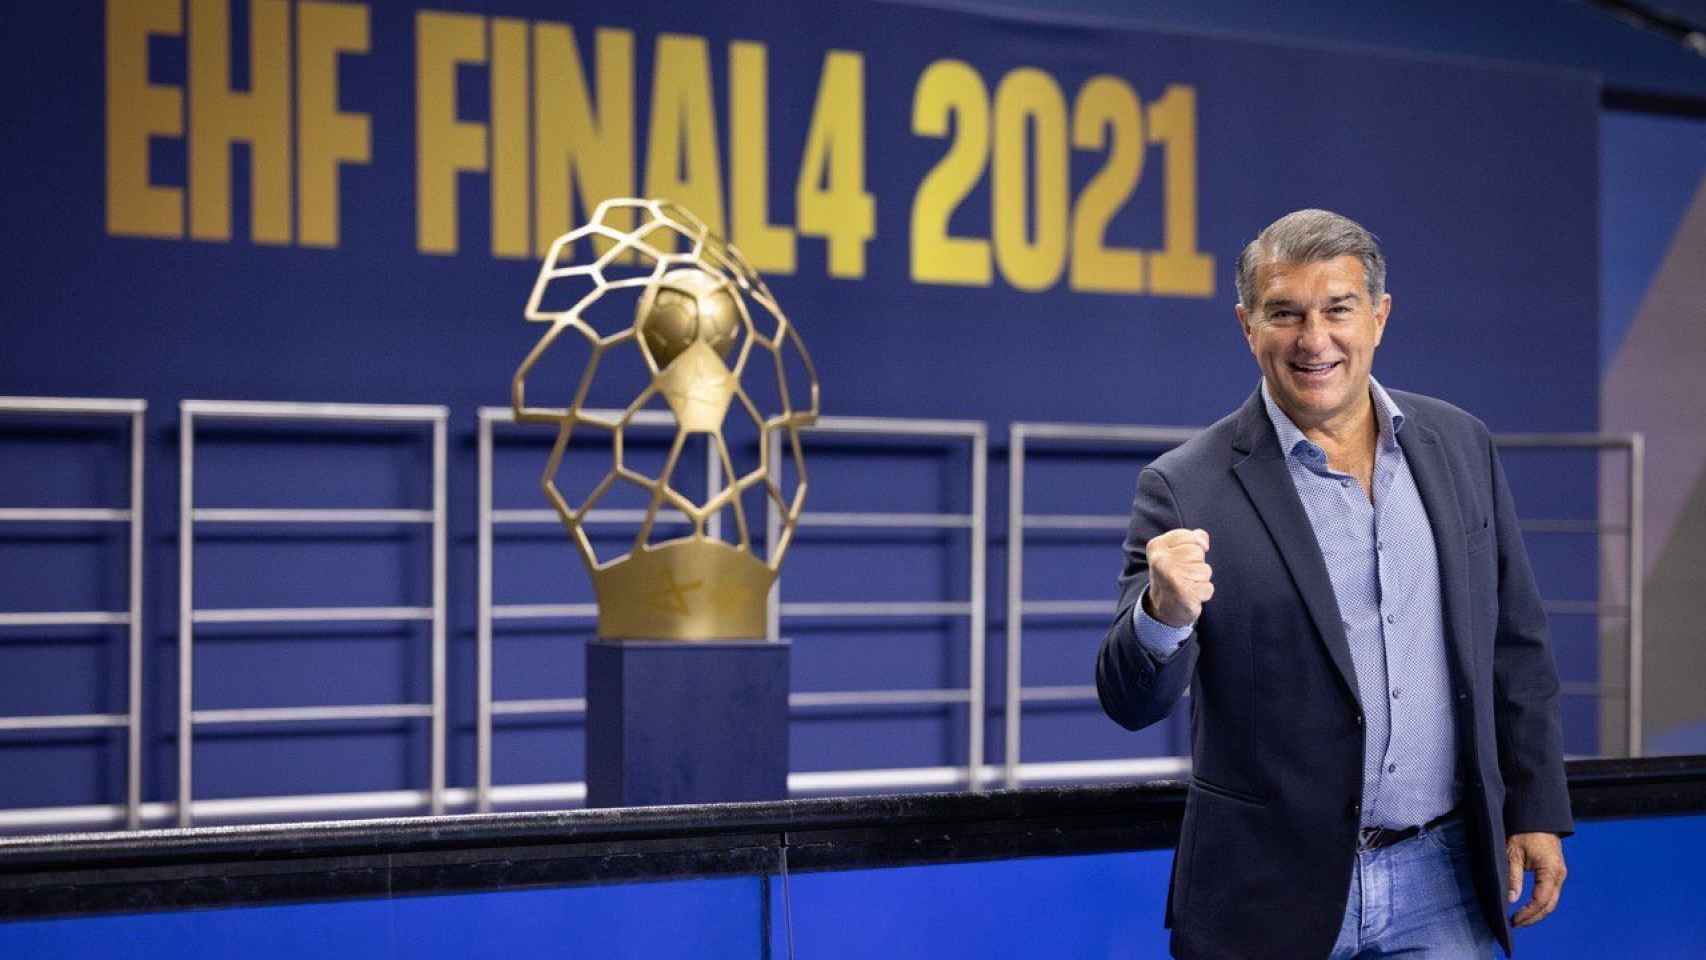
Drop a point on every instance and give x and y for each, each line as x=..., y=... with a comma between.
x=1336, y=573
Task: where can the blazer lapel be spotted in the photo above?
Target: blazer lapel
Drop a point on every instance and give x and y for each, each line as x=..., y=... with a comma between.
x=1268, y=484
x=1432, y=471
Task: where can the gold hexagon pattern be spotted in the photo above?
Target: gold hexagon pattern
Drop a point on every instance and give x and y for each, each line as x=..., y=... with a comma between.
x=696, y=310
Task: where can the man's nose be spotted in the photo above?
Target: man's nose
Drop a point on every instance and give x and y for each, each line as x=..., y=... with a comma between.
x=1313, y=337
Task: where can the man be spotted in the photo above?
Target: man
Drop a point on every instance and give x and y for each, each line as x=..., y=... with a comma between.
x=1375, y=734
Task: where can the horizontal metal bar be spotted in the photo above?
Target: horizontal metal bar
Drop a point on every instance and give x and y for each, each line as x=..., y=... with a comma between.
x=898, y=427
x=531, y=708
x=919, y=520
x=71, y=405
x=518, y=517
x=641, y=418
x=1109, y=433
x=311, y=614
x=68, y=721
x=1585, y=608
x=836, y=781
x=830, y=781
x=356, y=412
x=246, y=515
x=72, y=618
x=525, y=516
x=1067, y=608
x=238, y=808
x=1066, y=693
x=1564, y=441
x=534, y=794
x=379, y=711
x=876, y=609
x=1075, y=770
x=877, y=698
x=67, y=514
x=1058, y=694
x=1067, y=521
x=374, y=802
x=543, y=611
x=565, y=794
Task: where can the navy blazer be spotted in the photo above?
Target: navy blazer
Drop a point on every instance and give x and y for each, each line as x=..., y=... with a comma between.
x=1263, y=865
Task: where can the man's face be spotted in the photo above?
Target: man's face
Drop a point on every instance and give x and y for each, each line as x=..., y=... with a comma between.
x=1313, y=331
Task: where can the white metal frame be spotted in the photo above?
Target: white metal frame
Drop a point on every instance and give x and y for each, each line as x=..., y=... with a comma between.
x=1019, y=434
x=1635, y=446
x=485, y=794
x=973, y=609
x=135, y=411
x=1016, y=773
x=188, y=616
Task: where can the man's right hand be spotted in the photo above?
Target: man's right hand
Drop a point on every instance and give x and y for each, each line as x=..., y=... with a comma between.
x=1179, y=577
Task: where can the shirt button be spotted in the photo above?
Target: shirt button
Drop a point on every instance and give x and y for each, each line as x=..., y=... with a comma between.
x=1392, y=768
x=1392, y=618
x=1397, y=693
x=1344, y=483
x=1380, y=545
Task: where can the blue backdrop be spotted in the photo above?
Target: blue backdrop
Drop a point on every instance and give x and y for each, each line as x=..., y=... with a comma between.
x=967, y=216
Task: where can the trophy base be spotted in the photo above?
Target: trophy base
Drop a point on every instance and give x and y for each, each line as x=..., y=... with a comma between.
x=688, y=590
x=669, y=722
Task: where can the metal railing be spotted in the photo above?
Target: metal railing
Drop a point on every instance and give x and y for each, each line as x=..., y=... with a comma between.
x=973, y=609
x=131, y=618
x=438, y=797
x=1160, y=438
x=1019, y=436
x=1634, y=446
x=188, y=615
x=487, y=612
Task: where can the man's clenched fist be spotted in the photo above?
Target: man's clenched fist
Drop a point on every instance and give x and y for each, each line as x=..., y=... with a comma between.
x=1179, y=577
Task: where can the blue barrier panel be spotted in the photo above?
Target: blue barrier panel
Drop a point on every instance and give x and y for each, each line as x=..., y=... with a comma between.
x=1634, y=890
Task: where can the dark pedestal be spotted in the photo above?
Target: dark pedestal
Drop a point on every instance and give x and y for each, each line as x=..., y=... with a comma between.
x=671, y=722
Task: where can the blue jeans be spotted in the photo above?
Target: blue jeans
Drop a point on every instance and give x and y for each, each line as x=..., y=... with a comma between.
x=1415, y=899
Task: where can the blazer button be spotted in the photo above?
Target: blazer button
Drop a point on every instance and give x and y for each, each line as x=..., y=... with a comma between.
x=1463, y=696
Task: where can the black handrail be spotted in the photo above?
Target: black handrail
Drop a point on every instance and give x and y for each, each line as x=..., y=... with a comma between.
x=222, y=866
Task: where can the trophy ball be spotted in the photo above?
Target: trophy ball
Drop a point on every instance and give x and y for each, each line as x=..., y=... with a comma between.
x=687, y=306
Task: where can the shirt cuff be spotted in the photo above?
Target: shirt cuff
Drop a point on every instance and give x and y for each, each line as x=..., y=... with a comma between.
x=1160, y=639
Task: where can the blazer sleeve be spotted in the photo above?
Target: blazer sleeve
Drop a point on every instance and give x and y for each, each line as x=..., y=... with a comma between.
x=1135, y=688
x=1525, y=685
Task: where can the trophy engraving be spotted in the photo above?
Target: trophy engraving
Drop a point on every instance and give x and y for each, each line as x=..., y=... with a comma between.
x=703, y=324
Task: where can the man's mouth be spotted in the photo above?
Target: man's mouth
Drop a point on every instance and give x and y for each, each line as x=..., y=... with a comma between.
x=1313, y=371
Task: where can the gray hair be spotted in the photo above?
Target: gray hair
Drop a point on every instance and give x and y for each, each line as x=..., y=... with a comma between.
x=1309, y=236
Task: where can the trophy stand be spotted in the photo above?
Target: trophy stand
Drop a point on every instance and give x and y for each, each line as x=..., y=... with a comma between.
x=673, y=722
x=683, y=706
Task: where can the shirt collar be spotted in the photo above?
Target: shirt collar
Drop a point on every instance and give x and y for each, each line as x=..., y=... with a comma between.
x=1389, y=419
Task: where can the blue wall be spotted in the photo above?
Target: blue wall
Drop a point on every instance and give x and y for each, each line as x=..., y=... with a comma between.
x=1494, y=275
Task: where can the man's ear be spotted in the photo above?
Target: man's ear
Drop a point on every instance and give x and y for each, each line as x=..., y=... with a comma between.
x=1244, y=321
x=1381, y=312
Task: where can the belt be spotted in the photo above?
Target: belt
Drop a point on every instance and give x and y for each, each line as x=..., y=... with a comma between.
x=1376, y=838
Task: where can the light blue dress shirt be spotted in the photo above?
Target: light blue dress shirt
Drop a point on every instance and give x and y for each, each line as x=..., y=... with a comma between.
x=1385, y=573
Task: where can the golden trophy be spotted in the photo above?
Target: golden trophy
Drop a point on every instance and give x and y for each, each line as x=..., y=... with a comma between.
x=703, y=323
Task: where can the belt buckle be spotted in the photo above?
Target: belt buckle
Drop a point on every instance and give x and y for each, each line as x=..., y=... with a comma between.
x=1371, y=838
